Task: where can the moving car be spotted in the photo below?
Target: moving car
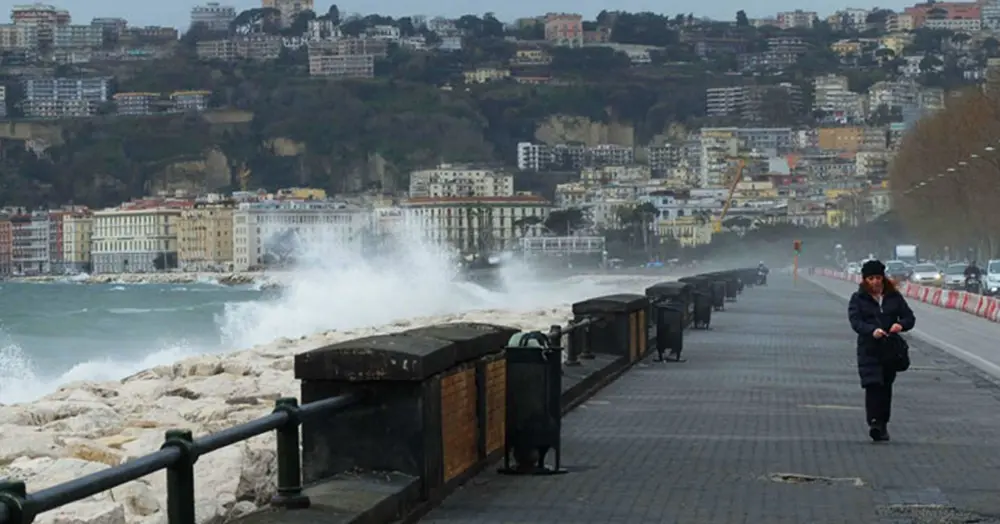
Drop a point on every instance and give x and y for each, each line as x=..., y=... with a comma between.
x=926, y=274
x=897, y=270
x=954, y=276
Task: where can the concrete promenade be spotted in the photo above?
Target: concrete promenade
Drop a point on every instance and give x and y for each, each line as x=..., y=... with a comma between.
x=764, y=424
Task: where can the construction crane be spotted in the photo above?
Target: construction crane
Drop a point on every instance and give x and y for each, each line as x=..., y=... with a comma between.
x=244, y=175
x=717, y=224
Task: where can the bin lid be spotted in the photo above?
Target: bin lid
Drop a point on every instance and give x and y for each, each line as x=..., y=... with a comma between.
x=620, y=303
x=411, y=355
x=668, y=289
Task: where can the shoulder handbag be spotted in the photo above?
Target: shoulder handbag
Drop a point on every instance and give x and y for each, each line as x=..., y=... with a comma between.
x=895, y=353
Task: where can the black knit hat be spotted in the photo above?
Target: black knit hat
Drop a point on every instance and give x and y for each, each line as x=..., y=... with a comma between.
x=872, y=268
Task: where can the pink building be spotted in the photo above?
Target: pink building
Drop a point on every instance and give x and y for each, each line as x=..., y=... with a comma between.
x=564, y=29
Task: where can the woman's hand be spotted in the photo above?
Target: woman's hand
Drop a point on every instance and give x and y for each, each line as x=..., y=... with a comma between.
x=878, y=333
x=896, y=328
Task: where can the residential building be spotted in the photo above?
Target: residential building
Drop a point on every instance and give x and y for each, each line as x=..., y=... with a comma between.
x=949, y=10
x=484, y=75
x=989, y=15
x=341, y=66
x=18, y=36
x=77, y=36
x=64, y=97
x=213, y=16
x=564, y=29
x=77, y=230
x=6, y=246
x=958, y=25
x=477, y=224
x=43, y=18
x=834, y=98
x=205, y=236
x=139, y=237
x=278, y=232
x=3, y=101
x=30, y=250
x=111, y=27
x=449, y=180
x=190, y=101
x=131, y=103
x=797, y=19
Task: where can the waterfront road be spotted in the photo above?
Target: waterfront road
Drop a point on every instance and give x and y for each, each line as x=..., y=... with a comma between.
x=763, y=425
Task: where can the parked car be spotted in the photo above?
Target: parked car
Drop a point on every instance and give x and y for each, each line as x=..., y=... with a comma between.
x=954, y=276
x=926, y=275
x=853, y=268
x=991, y=280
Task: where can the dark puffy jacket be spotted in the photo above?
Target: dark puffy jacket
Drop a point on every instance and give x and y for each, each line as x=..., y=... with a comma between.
x=866, y=316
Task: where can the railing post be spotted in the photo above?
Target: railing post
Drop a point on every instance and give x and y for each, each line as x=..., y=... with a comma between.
x=13, y=496
x=586, y=353
x=555, y=337
x=573, y=348
x=180, y=478
x=289, y=461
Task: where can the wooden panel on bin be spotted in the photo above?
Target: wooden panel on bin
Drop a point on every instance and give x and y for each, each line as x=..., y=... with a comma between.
x=633, y=336
x=496, y=405
x=458, y=422
x=643, y=333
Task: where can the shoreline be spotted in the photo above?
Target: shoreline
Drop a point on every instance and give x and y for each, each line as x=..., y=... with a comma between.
x=226, y=278
x=88, y=426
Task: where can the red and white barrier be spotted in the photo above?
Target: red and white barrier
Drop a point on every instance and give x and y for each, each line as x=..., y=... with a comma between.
x=971, y=303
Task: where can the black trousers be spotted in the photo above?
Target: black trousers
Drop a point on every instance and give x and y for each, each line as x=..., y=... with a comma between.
x=878, y=399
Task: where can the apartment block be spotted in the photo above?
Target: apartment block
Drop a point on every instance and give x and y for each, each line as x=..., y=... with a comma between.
x=213, y=16
x=289, y=9
x=18, y=36
x=449, y=180
x=78, y=36
x=253, y=47
x=564, y=29
x=30, y=243
x=205, y=237
x=341, y=66
x=135, y=238
x=64, y=97
x=77, y=231
x=475, y=224
x=274, y=233
x=6, y=246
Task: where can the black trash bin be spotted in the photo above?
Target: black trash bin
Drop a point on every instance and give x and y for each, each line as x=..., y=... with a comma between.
x=702, y=309
x=669, y=330
x=732, y=287
x=719, y=295
x=534, y=405
x=680, y=291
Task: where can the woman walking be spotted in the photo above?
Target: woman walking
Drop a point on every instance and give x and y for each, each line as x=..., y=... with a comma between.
x=878, y=314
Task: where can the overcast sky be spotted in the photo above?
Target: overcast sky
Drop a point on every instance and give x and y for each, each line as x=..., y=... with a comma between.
x=177, y=14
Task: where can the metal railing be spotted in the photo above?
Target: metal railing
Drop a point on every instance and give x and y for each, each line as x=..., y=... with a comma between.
x=178, y=455
x=577, y=345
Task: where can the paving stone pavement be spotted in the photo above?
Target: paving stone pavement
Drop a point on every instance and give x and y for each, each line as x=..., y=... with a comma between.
x=764, y=424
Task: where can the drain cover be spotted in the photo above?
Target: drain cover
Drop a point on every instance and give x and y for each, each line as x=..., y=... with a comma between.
x=798, y=478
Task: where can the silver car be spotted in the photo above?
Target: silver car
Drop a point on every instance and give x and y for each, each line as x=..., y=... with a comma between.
x=954, y=276
x=926, y=274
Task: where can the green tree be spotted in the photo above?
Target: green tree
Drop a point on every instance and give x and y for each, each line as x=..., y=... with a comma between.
x=741, y=19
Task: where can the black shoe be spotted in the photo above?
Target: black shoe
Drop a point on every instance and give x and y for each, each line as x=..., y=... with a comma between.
x=878, y=432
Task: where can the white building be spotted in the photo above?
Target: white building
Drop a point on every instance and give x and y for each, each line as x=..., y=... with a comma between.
x=213, y=16
x=474, y=224
x=135, y=239
x=275, y=232
x=456, y=181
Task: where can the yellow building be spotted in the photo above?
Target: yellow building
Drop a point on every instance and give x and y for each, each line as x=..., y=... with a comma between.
x=689, y=231
x=485, y=74
x=136, y=238
x=846, y=47
x=841, y=138
x=205, y=237
x=77, y=231
x=897, y=42
x=302, y=193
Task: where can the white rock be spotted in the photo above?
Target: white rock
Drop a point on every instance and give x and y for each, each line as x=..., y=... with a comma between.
x=89, y=512
x=86, y=426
